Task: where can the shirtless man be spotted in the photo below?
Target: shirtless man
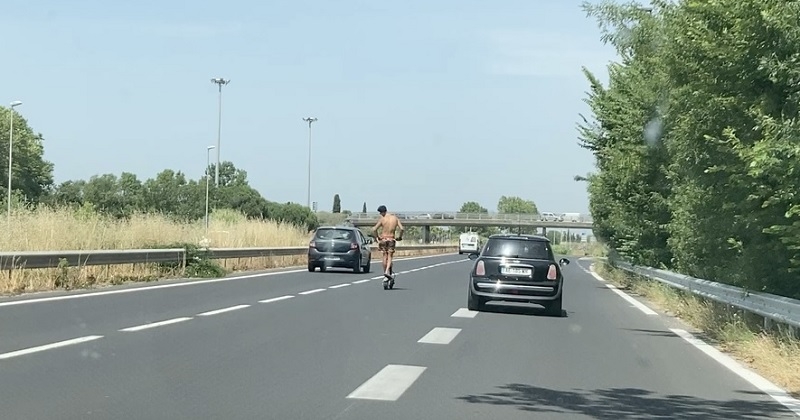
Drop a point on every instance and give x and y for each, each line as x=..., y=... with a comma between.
x=386, y=240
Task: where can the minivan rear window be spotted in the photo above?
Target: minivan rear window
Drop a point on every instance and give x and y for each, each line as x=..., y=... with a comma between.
x=517, y=248
x=344, y=234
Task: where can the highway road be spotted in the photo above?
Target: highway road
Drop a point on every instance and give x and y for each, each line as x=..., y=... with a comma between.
x=335, y=345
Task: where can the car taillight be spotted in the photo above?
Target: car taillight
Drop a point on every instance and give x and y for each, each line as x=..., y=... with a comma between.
x=312, y=244
x=354, y=246
x=552, y=274
x=480, y=270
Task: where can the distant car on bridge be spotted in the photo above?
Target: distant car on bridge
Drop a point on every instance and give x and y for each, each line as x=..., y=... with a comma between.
x=549, y=217
x=570, y=217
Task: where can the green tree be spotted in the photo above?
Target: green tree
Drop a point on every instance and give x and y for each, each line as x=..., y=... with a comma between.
x=474, y=207
x=31, y=175
x=69, y=193
x=172, y=194
x=364, y=208
x=695, y=139
x=337, y=204
x=516, y=205
x=292, y=213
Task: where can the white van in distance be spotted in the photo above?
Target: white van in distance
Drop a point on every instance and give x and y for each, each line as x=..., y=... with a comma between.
x=469, y=242
x=571, y=217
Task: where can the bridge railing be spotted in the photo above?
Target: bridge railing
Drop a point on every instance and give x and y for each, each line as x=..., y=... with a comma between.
x=444, y=215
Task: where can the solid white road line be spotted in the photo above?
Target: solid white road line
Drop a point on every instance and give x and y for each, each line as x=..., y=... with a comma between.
x=49, y=346
x=339, y=286
x=223, y=310
x=639, y=305
x=464, y=313
x=388, y=384
x=594, y=273
x=308, y=292
x=440, y=336
x=748, y=375
x=276, y=299
x=365, y=280
x=155, y=324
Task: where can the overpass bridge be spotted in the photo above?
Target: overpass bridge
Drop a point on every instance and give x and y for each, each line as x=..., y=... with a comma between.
x=456, y=219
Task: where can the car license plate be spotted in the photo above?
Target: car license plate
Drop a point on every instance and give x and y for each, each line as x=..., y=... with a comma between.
x=515, y=271
x=331, y=258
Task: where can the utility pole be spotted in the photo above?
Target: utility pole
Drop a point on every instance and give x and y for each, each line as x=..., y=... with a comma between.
x=309, y=120
x=220, y=82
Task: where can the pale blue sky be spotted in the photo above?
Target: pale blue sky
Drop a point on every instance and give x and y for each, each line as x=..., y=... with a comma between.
x=475, y=99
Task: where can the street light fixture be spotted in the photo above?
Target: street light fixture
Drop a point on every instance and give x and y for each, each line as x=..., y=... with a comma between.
x=309, y=120
x=208, y=163
x=220, y=82
x=11, y=154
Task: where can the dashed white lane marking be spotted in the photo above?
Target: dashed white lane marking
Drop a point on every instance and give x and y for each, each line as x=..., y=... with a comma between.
x=339, y=286
x=223, y=310
x=388, y=384
x=440, y=336
x=464, y=313
x=155, y=324
x=366, y=280
x=275, y=299
x=774, y=391
x=420, y=269
x=49, y=346
x=308, y=292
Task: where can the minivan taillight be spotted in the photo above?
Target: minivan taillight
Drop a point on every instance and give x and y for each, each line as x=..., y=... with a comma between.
x=312, y=244
x=552, y=274
x=354, y=246
x=480, y=269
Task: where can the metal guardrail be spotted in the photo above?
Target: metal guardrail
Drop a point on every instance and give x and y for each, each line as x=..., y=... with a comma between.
x=52, y=259
x=772, y=307
x=582, y=218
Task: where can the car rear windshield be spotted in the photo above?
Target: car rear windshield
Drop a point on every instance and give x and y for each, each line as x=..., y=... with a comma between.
x=344, y=234
x=517, y=248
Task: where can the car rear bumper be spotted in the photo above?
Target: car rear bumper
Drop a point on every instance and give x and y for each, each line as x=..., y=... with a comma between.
x=334, y=259
x=468, y=248
x=493, y=290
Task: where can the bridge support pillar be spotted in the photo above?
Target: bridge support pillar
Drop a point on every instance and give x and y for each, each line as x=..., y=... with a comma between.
x=544, y=231
x=426, y=234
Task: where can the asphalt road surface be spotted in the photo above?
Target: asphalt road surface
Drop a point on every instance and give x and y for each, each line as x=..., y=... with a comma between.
x=335, y=345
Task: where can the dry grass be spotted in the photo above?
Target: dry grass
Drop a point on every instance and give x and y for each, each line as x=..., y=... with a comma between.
x=583, y=249
x=47, y=230
x=63, y=229
x=774, y=352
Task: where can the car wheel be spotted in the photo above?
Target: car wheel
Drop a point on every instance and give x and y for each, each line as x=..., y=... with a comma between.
x=311, y=268
x=368, y=266
x=475, y=303
x=357, y=266
x=554, y=307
